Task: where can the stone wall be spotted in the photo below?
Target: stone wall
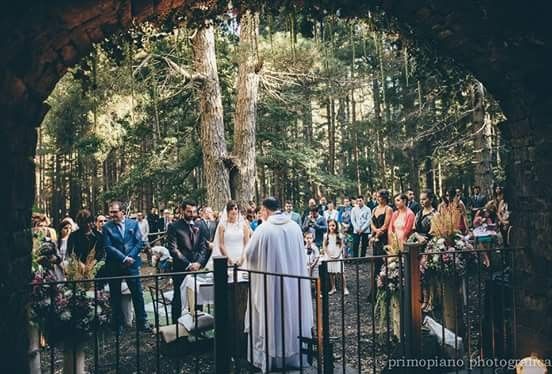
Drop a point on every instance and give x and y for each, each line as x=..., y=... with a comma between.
x=529, y=172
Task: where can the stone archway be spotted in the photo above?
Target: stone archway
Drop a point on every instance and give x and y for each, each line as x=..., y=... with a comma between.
x=505, y=46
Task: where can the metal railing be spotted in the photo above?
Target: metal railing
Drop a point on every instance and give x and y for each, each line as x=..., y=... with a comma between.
x=372, y=331
x=473, y=318
x=284, y=298
x=106, y=349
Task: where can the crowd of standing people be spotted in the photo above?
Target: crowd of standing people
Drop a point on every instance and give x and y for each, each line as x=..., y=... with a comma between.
x=184, y=239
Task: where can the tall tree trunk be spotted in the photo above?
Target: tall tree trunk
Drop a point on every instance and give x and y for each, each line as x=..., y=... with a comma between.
x=482, y=138
x=211, y=118
x=244, y=171
x=330, y=110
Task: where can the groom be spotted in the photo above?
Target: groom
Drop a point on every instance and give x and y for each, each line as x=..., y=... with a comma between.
x=189, y=250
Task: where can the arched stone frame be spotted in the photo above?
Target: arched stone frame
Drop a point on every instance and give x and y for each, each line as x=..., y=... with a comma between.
x=505, y=46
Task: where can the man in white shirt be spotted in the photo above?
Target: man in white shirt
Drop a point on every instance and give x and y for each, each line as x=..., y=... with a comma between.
x=360, y=219
x=144, y=227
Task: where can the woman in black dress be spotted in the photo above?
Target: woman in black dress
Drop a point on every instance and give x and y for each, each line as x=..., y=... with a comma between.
x=381, y=216
x=422, y=224
x=422, y=227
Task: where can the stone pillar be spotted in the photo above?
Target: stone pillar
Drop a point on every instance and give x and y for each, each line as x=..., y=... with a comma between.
x=529, y=193
x=17, y=148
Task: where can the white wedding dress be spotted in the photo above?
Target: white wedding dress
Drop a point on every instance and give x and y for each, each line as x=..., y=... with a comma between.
x=233, y=240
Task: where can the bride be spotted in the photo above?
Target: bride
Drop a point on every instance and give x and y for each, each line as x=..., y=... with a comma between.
x=232, y=235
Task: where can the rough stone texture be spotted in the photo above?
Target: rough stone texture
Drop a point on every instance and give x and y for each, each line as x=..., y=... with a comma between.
x=506, y=44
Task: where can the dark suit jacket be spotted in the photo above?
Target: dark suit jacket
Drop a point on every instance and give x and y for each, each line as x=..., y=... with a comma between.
x=414, y=206
x=179, y=243
x=117, y=247
x=478, y=202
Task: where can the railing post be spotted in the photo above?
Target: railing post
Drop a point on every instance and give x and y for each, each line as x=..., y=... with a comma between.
x=222, y=326
x=413, y=308
x=327, y=350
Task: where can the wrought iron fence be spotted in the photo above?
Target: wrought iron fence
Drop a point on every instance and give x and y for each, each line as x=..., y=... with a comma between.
x=284, y=326
x=400, y=316
x=469, y=315
x=185, y=345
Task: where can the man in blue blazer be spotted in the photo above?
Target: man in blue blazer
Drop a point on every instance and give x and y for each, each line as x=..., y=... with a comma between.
x=123, y=242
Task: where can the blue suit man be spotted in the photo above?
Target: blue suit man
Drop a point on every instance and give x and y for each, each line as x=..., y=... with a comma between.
x=123, y=242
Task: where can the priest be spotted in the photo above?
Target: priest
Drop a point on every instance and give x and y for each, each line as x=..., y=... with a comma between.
x=283, y=314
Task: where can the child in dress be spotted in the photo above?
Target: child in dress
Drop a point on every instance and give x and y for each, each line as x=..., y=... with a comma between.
x=333, y=250
x=484, y=232
x=313, y=254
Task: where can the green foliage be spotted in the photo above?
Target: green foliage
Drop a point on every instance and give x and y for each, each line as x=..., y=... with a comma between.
x=125, y=121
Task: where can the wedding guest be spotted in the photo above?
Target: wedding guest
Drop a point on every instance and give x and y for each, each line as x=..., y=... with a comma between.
x=317, y=223
x=503, y=213
x=331, y=212
x=422, y=222
x=43, y=227
x=65, y=229
x=344, y=219
x=484, y=230
x=311, y=205
x=452, y=200
x=85, y=240
x=344, y=216
x=361, y=217
x=166, y=220
x=477, y=200
x=402, y=220
x=412, y=203
x=323, y=205
x=313, y=254
x=372, y=201
x=422, y=228
x=154, y=222
x=49, y=258
x=294, y=216
x=123, y=243
x=100, y=222
x=257, y=221
x=333, y=250
x=144, y=227
x=381, y=217
x=209, y=217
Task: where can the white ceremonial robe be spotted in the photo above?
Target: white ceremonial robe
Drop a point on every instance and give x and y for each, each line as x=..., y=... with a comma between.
x=277, y=246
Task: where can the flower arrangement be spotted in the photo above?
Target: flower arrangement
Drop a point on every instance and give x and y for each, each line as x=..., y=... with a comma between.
x=388, y=277
x=440, y=253
x=66, y=312
x=388, y=283
x=77, y=270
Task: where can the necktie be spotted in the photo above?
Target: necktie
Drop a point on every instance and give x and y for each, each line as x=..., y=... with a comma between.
x=121, y=229
x=191, y=228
